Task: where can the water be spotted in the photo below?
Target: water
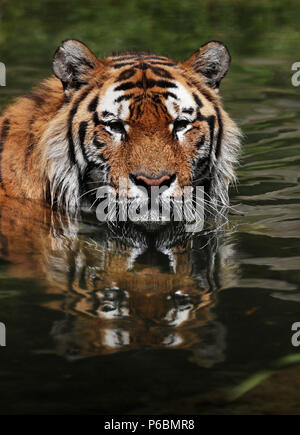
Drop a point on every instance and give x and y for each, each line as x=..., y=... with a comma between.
x=96, y=326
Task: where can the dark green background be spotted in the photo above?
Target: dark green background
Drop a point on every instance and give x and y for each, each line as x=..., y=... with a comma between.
x=30, y=31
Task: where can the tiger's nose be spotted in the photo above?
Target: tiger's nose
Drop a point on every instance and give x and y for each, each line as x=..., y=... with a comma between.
x=142, y=180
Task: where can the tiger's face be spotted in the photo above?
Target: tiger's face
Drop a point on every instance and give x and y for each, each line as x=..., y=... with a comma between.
x=148, y=120
x=150, y=125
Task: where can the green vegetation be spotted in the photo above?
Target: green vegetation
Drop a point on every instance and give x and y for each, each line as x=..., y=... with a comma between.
x=30, y=31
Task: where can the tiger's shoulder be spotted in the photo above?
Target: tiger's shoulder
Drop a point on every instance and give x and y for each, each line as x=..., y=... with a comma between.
x=22, y=126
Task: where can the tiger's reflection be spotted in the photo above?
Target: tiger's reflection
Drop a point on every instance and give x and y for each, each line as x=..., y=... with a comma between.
x=122, y=288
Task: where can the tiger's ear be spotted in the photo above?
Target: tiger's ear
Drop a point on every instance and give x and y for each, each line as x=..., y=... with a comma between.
x=212, y=61
x=72, y=62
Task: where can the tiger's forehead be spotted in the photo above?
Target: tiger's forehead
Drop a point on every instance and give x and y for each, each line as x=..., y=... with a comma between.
x=156, y=79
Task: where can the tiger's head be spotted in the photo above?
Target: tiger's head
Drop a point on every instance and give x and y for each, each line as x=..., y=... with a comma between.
x=140, y=117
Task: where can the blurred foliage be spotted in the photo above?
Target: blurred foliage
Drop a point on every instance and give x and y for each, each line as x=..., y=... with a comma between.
x=30, y=31
x=257, y=378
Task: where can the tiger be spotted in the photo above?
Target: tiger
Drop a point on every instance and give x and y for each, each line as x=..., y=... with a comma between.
x=138, y=116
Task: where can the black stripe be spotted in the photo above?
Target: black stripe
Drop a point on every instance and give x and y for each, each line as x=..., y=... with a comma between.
x=93, y=104
x=72, y=113
x=197, y=100
x=103, y=158
x=190, y=111
x=169, y=94
x=204, y=91
x=34, y=96
x=70, y=136
x=146, y=84
x=120, y=65
x=106, y=113
x=96, y=119
x=160, y=84
x=125, y=75
x=207, y=95
x=200, y=142
x=157, y=104
x=156, y=98
x=220, y=132
x=156, y=107
x=161, y=72
x=126, y=86
x=82, y=132
x=142, y=66
x=4, y=133
x=31, y=143
x=131, y=110
x=98, y=144
x=162, y=63
x=211, y=123
x=123, y=97
x=29, y=150
x=203, y=165
x=78, y=84
x=138, y=109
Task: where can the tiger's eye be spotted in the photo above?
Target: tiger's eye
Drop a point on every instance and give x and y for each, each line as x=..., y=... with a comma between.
x=117, y=127
x=180, y=124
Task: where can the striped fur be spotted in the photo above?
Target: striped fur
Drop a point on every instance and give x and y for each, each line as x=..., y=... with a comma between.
x=101, y=120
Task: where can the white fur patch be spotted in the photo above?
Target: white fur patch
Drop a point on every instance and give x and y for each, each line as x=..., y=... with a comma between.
x=108, y=103
x=184, y=101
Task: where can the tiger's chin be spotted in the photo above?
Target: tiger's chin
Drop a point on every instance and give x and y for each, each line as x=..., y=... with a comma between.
x=151, y=214
x=151, y=225
x=150, y=220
